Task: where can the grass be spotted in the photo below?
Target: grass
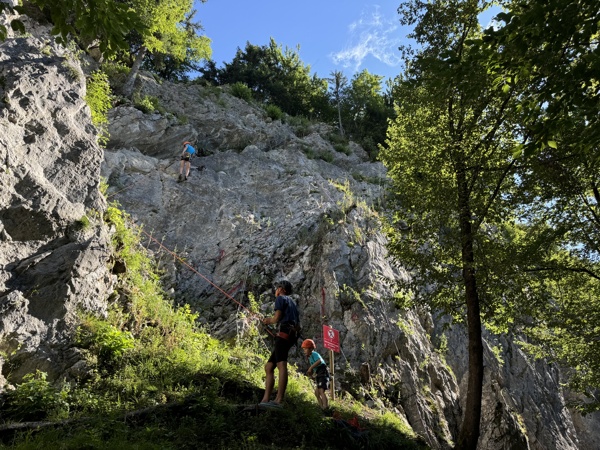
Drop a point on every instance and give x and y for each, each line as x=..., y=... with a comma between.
x=157, y=381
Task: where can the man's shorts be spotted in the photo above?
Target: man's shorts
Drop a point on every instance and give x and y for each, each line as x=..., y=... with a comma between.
x=186, y=157
x=281, y=349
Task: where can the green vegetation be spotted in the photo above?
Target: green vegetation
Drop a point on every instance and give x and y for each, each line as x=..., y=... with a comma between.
x=493, y=160
x=83, y=223
x=74, y=73
x=274, y=112
x=35, y=398
x=278, y=77
x=242, y=91
x=99, y=98
x=156, y=380
x=147, y=103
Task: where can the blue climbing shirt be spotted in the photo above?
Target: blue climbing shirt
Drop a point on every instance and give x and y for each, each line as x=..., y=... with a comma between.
x=191, y=150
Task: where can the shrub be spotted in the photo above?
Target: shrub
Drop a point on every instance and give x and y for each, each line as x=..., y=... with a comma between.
x=99, y=98
x=147, y=103
x=83, y=223
x=242, y=91
x=116, y=72
x=74, y=72
x=274, y=112
x=342, y=148
x=326, y=156
x=36, y=399
x=104, y=339
x=336, y=138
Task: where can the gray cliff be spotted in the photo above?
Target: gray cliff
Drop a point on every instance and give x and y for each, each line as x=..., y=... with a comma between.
x=268, y=200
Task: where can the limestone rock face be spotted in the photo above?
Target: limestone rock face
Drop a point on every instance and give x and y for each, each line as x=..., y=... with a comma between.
x=267, y=200
x=53, y=255
x=259, y=206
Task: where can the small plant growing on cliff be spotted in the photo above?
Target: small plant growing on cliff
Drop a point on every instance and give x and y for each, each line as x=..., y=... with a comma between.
x=72, y=70
x=99, y=98
x=240, y=90
x=83, y=223
x=147, y=103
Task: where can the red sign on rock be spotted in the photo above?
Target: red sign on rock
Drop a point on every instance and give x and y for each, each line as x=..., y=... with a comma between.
x=331, y=338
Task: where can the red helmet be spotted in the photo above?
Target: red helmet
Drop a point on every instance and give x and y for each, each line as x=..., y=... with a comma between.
x=186, y=143
x=308, y=343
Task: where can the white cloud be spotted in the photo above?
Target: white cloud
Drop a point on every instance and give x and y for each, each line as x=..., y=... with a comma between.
x=373, y=35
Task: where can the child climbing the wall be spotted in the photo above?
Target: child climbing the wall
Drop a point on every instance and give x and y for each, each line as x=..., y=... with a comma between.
x=319, y=368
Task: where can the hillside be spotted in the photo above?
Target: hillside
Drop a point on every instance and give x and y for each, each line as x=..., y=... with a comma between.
x=269, y=199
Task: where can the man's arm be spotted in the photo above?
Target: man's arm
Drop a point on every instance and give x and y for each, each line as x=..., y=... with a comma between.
x=275, y=319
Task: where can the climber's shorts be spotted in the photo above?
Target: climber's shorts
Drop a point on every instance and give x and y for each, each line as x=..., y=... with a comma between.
x=323, y=382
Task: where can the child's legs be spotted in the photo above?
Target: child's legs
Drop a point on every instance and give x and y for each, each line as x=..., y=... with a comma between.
x=181, y=167
x=322, y=396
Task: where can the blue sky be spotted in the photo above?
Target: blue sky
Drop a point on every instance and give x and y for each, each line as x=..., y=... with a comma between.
x=345, y=35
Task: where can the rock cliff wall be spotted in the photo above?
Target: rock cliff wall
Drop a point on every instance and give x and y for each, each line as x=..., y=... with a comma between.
x=53, y=254
x=269, y=200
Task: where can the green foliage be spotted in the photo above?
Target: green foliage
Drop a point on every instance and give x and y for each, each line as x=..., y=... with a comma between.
x=35, y=399
x=115, y=68
x=348, y=296
x=274, y=112
x=83, y=223
x=105, y=20
x=148, y=355
x=99, y=98
x=561, y=96
x=104, y=339
x=275, y=76
x=147, y=103
x=326, y=156
x=73, y=71
x=168, y=37
x=242, y=91
x=15, y=24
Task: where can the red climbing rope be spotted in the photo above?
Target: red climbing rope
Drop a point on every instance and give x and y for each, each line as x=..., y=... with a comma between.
x=163, y=247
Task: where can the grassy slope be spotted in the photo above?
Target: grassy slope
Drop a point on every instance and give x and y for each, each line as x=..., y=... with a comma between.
x=156, y=381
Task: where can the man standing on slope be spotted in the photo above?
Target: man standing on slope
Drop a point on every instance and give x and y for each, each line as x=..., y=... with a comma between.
x=287, y=316
x=186, y=156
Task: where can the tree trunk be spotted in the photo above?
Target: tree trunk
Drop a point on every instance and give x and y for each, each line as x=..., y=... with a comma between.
x=127, y=89
x=469, y=433
x=339, y=108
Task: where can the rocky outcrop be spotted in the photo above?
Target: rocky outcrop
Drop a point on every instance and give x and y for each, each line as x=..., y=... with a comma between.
x=53, y=253
x=269, y=200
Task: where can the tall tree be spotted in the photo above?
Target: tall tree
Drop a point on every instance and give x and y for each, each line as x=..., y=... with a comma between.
x=167, y=30
x=555, y=45
x=172, y=67
x=365, y=110
x=339, y=82
x=278, y=76
x=449, y=154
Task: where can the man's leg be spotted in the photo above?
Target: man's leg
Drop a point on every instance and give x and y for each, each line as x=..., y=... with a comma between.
x=188, y=164
x=181, y=167
x=283, y=379
x=269, y=381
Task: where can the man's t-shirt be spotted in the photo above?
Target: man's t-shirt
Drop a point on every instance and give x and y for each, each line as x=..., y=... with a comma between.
x=191, y=150
x=289, y=310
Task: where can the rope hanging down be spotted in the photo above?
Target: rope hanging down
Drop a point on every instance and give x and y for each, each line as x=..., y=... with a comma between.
x=163, y=247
